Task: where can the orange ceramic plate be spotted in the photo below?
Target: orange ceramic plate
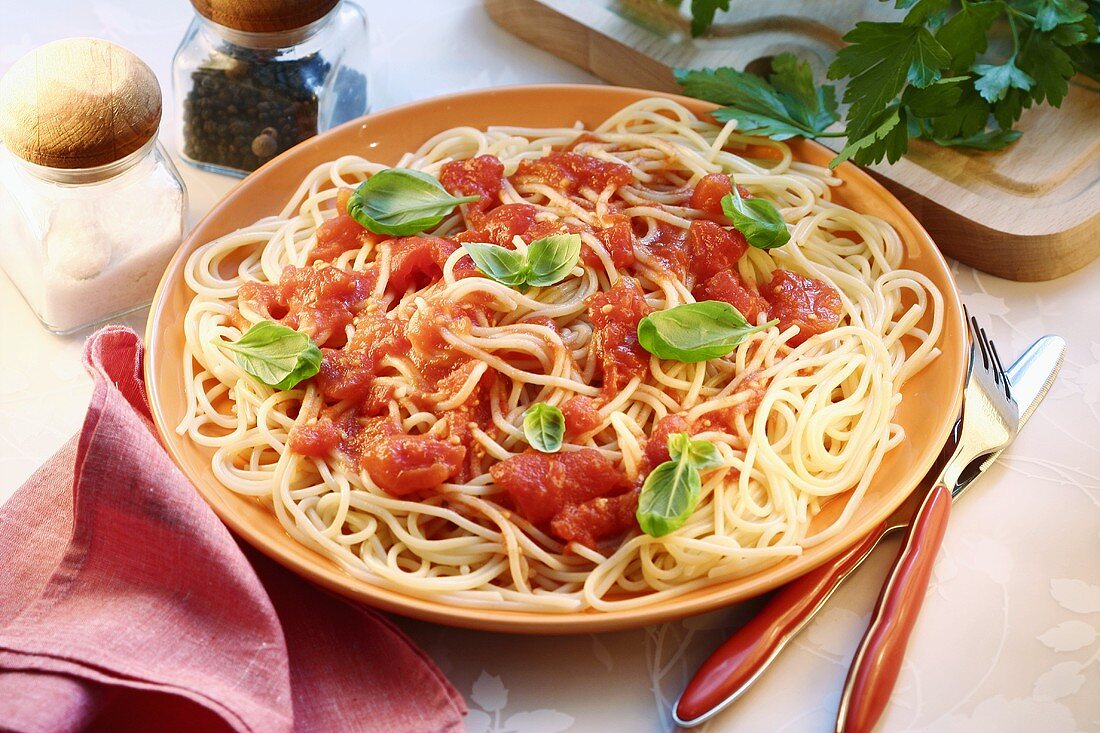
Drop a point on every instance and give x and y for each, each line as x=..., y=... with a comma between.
x=931, y=399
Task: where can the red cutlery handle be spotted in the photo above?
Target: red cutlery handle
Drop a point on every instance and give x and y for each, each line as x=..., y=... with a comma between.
x=878, y=660
x=736, y=664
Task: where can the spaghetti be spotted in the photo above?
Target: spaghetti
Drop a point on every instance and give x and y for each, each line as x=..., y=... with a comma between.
x=425, y=357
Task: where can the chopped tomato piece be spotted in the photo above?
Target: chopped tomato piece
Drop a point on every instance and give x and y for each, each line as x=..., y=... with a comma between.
x=337, y=236
x=349, y=373
x=316, y=440
x=796, y=300
x=542, y=484
x=668, y=243
x=403, y=464
x=480, y=176
x=714, y=248
x=724, y=418
x=615, y=315
x=618, y=240
x=656, y=448
x=570, y=172
x=320, y=301
x=710, y=190
x=581, y=416
x=417, y=261
x=598, y=519
x=504, y=222
x=728, y=287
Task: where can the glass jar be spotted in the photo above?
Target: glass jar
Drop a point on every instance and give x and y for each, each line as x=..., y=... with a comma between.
x=245, y=95
x=91, y=211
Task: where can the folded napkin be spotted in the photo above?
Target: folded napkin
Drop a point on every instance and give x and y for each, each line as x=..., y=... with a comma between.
x=125, y=605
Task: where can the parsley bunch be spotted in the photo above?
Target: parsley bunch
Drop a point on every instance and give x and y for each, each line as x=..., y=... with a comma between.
x=924, y=76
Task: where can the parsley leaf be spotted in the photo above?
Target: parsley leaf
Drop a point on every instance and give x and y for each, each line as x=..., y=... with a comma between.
x=964, y=35
x=1051, y=13
x=986, y=140
x=785, y=105
x=1048, y=64
x=702, y=14
x=993, y=81
x=881, y=58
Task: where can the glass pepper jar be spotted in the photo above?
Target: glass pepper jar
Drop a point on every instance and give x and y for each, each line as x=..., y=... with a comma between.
x=91, y=208
x=252, y=78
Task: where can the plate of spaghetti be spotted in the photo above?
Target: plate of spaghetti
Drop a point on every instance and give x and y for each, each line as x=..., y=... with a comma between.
x=555, y=359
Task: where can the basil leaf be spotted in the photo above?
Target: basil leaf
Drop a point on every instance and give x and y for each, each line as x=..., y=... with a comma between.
x=503, y=265
x=550, y=259
x=400, y=202
x=669, y=496
x=757, y=219
x=277, y=356
x=544, y=427
x=699, y=453
x=695, y=331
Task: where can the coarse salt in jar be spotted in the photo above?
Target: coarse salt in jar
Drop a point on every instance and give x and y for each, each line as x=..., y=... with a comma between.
x=253, y=78
x=91, y=208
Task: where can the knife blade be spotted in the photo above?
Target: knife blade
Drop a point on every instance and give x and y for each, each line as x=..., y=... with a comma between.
x=737, y=663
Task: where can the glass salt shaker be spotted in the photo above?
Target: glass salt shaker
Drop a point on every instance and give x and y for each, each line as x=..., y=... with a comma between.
x=254, y=78
x=91, y=208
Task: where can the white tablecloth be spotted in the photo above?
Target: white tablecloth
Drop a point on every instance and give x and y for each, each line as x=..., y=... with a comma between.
x=1009, y=637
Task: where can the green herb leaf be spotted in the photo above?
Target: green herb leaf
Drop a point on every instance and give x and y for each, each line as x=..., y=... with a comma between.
x=985, y=140
x=964, y=34
x=702, y=14
x=544, y=427
x=695, y=332
x=550, y=259
x=701, y=454
x=1051, y=13
x=881, y=58
x=888, y=137
x=790, y=105
x=1048, y=64
x=669, y=496
x=757, y=219
x=400, y=202
x=501, y=264
x=993, y=81
x=275, y=355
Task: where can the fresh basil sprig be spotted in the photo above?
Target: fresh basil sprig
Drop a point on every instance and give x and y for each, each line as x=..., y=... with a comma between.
x=400, y=202
x=671, y=491
x=277, y=356
x=695, y=331
x=547, y=262
x=544, y=427
x=757, y=219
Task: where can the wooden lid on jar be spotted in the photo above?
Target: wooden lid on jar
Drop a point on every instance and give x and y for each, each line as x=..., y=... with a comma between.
x=78, y=103
x=263, y=16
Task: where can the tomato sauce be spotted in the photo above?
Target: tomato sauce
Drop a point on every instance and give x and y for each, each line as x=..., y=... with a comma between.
x=481, y=176
x=569, y=172
x=541, y=484
x=417, y=262
x=615, y=315
x=581, y=415
x=714, y=248
x=501, y=225
x=709, y=192
x=320, y=301
x=656, y=448
x=728, y=287
x=602, y=518
x=796, y=300
x=618, y=240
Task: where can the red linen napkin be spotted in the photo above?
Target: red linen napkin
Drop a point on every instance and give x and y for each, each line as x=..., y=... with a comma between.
x=125, y=605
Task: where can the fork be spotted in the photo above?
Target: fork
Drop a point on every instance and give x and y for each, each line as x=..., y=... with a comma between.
x=990, y=421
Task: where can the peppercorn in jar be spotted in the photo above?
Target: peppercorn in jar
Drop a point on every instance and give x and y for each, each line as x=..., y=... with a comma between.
x=253, y=78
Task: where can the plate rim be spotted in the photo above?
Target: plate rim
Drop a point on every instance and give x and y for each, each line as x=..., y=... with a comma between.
x=333, y=578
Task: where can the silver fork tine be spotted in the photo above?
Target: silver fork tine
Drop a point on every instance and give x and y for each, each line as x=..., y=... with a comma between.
x=1000, y=370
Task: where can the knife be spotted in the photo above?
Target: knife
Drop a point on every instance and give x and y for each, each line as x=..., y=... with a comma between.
x=735, y=665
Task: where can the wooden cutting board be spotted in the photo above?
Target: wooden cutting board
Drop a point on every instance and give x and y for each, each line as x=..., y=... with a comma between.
x=1030, y=212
